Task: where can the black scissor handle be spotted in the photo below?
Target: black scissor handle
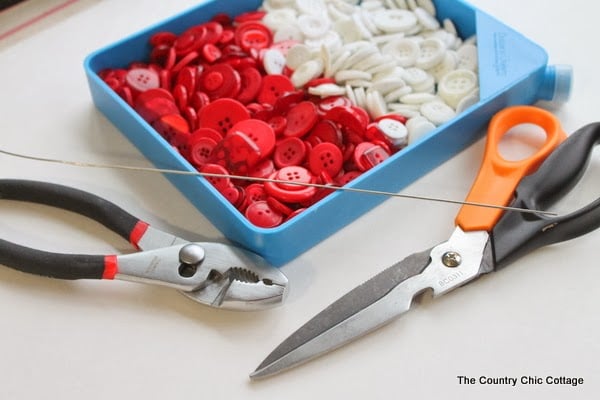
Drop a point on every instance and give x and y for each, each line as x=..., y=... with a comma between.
x=62, y=266
x=518, y=233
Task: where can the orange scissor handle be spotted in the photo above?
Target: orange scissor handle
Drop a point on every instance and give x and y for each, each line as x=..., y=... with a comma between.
x=498, y=177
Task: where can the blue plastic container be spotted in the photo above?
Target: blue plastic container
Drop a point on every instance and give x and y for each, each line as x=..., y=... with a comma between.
x=512, y=70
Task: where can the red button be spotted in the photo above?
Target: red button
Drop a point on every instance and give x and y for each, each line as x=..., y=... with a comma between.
x=222, y=114
x=250, y=16
x=374, y=156
x=209, y=133
x=262, y=215
x=351, y=119
x=170, y=125
x=288, y=152
x=278, y=123
x=263, y=169
x=219, y=182
x=237, y=152
x=260, y=132
x=251, y=80
x=214, y=30
x=191, y=116
x=154, y=103
x=187, y=77
x=162, y=39
x=190, y=40
x=367, y=155
x=334, y=101
x=279, y=206
x=326, y=157
x=301, y=118
x=211, y=53
x=291, y=193
x=294, y=175
x=235, y=195
x=199, y=100
x=184, y=62
x=255, y=192
x=200, y=149
x=287, y=100
x=347, y=178
x=219, y=81
x=253, y=35
x=326, y=131
x=273, y=87
x=181, y=96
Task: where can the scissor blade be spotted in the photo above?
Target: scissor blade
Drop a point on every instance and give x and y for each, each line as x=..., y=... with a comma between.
x=451, y=264
x=365, y=308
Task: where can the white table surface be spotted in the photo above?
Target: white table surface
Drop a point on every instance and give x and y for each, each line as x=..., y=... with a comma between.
x=100, y=340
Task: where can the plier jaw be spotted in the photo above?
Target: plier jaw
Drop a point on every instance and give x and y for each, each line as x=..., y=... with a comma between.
x=214, y=274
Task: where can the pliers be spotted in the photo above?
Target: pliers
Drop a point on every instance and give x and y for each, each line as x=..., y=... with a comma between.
x=215, y=274
x=484, y=239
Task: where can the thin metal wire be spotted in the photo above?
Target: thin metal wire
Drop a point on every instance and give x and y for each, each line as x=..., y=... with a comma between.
x=263, y=180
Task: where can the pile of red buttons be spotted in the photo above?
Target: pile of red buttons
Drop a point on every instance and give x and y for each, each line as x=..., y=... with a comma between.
x=207, y=92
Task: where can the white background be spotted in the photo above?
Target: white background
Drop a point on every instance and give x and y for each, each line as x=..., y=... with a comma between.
x=99, y=340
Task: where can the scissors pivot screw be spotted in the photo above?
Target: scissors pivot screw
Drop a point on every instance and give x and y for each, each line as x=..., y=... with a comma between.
x=451, y=259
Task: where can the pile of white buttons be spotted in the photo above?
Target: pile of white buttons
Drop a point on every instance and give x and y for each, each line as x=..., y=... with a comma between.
x=386, y=56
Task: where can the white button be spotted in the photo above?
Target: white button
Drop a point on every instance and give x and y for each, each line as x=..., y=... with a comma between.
x=314, y=26
x=405, y=110
x=336, y=65
x=418, y=127
x=449, y=26
x=350, y=94
x=467, y=57
x=315, y=7
x=447, y=65
x=273, y=62
x=352, y=74
x=418, y=98
x=394, y=130
x=335, y=14
x=432, y=52
x=327, y=90
x=437, y=112
x=467, y=101
x=288, y=32
x=396, y=95
x=406, y=51
x=401, y=4
x=369, y=62
x=298, y=55
x=456, y=85
x=376, y=106
x=331, y=39
x=365, y=17
x=306, y=72
x=427, y=20
x=365, y=33
x=361, y=97
x=395, y=20
x=428, y=6
x=388, y=85
x=280, y=18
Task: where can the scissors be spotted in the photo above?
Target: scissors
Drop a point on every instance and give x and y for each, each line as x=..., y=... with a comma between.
x=214, y=274
x=483, y=241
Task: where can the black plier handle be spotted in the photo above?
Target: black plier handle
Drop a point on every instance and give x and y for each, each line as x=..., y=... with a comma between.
x=215, y=274
x=67, y=266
